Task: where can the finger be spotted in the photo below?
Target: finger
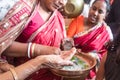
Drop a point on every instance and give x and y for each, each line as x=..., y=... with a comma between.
x=78, y=51
x=67, y=55
x=57, y=51
x=66, y=63
x=73, y=51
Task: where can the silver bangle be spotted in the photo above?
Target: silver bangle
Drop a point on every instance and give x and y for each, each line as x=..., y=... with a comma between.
x=29, y=49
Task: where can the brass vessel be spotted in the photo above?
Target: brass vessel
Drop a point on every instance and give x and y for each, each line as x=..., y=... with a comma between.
x=73, y=8
x=78, y=74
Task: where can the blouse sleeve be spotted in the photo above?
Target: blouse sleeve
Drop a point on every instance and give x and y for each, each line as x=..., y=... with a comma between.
x=75, y=26
x=71, y=29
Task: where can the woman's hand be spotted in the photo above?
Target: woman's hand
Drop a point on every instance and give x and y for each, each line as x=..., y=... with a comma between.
x=56, y=61
x=5, y=67
x=67, y=55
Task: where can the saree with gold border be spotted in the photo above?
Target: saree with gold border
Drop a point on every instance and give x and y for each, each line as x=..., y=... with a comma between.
x=48, y=33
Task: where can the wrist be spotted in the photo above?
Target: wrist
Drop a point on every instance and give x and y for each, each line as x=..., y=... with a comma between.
x=37, y=50
x=41, y=59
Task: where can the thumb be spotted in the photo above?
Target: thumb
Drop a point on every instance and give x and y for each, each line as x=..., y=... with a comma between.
x=67, y=55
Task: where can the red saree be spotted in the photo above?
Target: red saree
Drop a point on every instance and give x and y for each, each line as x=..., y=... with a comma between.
x=13, y=22
x=91, y=40
x=46, y=33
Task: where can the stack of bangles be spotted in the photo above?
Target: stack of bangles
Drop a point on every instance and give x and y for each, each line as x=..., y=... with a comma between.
x=30, y=51
x=14, y=74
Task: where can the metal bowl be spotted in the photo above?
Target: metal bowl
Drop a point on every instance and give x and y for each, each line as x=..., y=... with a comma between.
x=73, y=8
x=77, y=73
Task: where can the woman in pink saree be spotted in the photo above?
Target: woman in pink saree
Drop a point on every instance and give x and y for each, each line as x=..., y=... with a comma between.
x=46, y=26
x=91, y=34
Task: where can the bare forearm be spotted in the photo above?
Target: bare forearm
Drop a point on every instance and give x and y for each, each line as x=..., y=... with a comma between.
x=17, y=49
x=24, y=70
x=33, y=65
x=101, y=70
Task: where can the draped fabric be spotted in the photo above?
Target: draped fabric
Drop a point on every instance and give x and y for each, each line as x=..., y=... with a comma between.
x=94, y=40
x=12, y=20
x=51, y=31
x=91, y=40
x=75, y=26
x=48, y=33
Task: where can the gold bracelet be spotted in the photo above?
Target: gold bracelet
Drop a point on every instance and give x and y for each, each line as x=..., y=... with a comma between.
x=14, y=74
x=32, y=50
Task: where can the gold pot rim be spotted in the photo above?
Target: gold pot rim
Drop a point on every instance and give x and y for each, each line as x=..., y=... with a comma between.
x=73, y=9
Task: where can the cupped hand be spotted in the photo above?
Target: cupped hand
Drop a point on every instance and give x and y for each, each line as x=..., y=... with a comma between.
x=67, y=55
x=56, y=61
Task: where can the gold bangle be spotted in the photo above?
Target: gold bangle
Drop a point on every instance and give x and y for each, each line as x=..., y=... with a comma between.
x=14, y=74
x=33, y=49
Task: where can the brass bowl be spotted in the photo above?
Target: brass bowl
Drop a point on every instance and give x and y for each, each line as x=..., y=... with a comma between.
x=77, y=73
x=73, y=8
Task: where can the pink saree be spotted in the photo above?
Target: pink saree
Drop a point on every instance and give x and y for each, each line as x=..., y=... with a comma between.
x=46, y=33
x=14, y=14
x=13, y=20
x=94, y=40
